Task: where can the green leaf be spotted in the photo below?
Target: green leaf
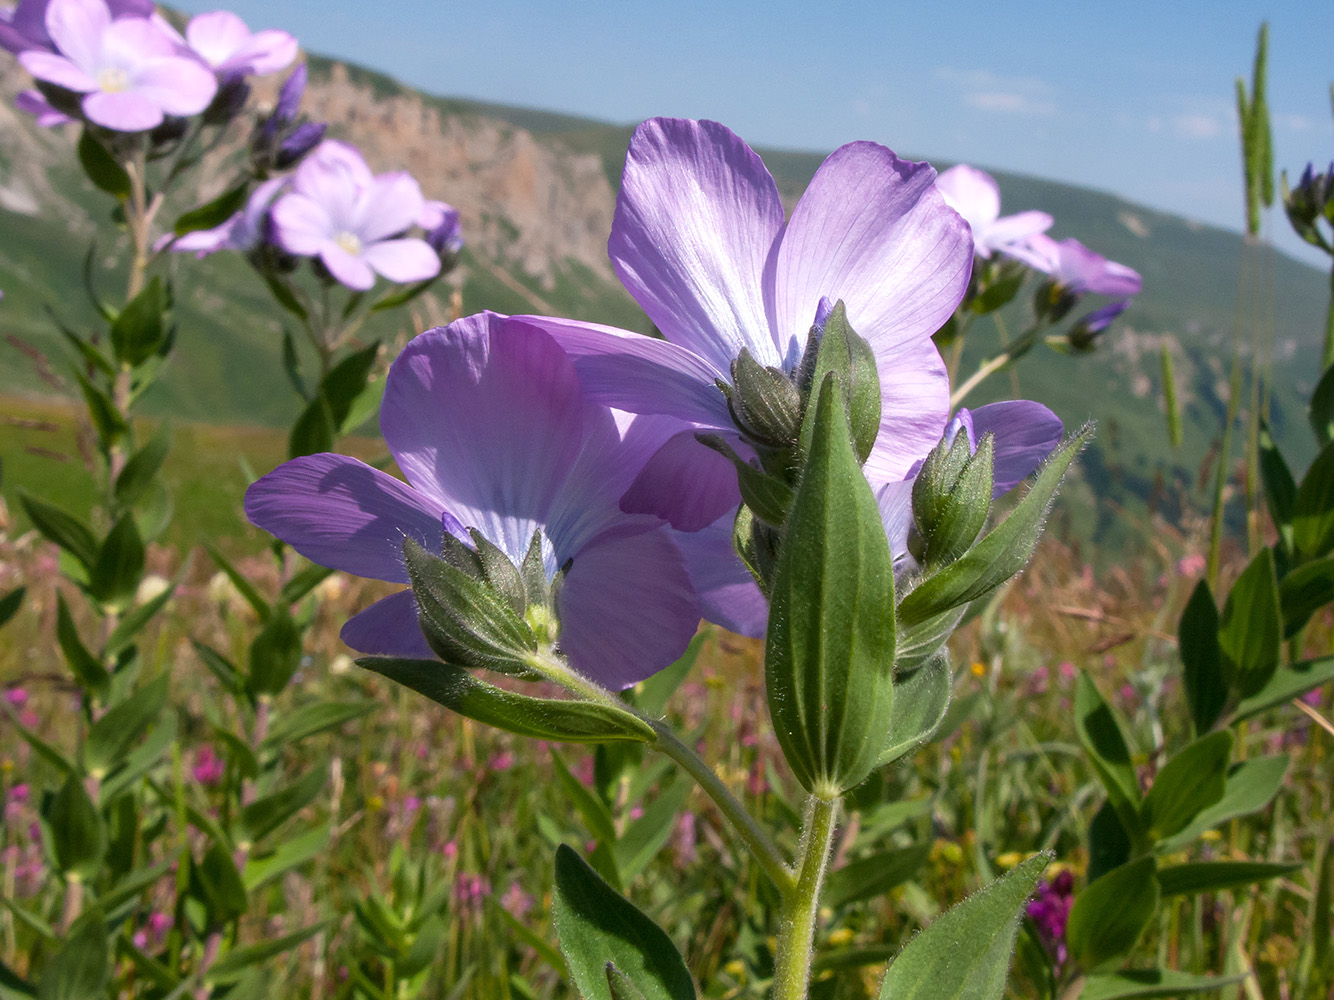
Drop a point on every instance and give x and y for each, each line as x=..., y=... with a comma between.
x=107, y=421
x=66, y=530
x=1313, y=508
x=1216, y=876
x=263, y=816
x=134, y=620
x=1101, y=737
x=10, y=604
x=1194, y=779
x=829, y=653
x=1250, y=629
x=327, y=414
x=934, y=966
x=1109, y=844
x=243, y=586
x=1109, y=916
x=114, y=577
x=142, y=758
x=542, y=718
x=111, y=736
x=12, y=987
x=275, y=653
x=78, y=835
x=220, y=667
x=921, y=700
x=873, y=876
x=1280, y=487
x=1251, y=785
x=596, y=816
x=651, y=694
x=1321, y=410
x=1001, y=553
x=229, y=966
x=1287, y=683
x=265, y=866
x=1204, y=675
x=1304, y=591
x=142, y=467
x=214, y=213
x=79, y=970
x=394, y=298
x=647, y=835
x=285, y=297
x=1151, y=983
x=303, y=583
x=220, y=885
x=101, y=167
x=520, y=930
x=597, y=927
x=310, y=720
x=85, y=667
x=138, y=332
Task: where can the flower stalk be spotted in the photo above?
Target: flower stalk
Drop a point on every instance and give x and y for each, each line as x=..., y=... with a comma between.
x=800, y=909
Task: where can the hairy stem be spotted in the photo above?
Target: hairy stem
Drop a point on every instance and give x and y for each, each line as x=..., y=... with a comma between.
x=796, y=930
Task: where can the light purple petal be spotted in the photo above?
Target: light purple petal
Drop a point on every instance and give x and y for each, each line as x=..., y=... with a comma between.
x=1013, y=228
x=342, y=513
x=695, y=221
x=37, y=105
x=77, y=27
x=1026, y=433
x=685, y=483
x=627, y=608
x=125, y=111
x=641, y=374
x=58, y=70
x=301, y=224
x=895, y=502
x=728, y=594
x=349, y=269
x=402, y=261
x=216, y=35
x=177, y=86
x=203, y=242
x=134, y=42
x=872, y=230
x=268, y=51
x=486, y=418
x=914, y=405
x=388, y=207
x=334, y=171
x=389, y=627
x=972, y=193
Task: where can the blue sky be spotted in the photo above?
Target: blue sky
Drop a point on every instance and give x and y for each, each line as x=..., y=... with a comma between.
x=1133, y=98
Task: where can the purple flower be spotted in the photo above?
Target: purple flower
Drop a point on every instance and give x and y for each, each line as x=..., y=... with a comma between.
x=440, y=222
x=700, y=241
x=1050, y=911
x=244, y=231
x=489, y=424
x=130, y=70
x=24, y=27
x=352, y=220
x=975, y=195
x=223, y=41
x=35, y=104
x=1075, y=267
x=209, y=769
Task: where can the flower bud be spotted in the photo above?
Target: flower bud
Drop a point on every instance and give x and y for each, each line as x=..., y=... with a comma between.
x=1053, y=301
x=1084, y=333
x=952, y=494
x=1311, y=200
x=228, y=101
x=833, y=346
x=765, y=404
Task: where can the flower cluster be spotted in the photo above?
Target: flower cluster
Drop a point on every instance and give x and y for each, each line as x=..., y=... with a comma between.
x=575, y=450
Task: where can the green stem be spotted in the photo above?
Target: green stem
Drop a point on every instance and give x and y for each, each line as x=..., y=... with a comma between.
x=984, y=371
x=766, y=853
x=796, y=931
x=1329, y=325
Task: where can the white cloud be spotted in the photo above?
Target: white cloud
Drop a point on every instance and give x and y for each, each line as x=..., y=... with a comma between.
x=1194, y=125
x=1008, y=103
x=986, y=91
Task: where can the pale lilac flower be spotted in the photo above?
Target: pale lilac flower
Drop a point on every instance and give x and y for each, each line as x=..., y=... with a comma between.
x=24, y=27
x=517, y=902
x=489, y=424
x=440, y=223
x=699, y=239
x=353, y=220
x=35, y=103
x=130, y=70
x=17, y=697
x=244, y=231
x=975, y=195
x=1075, y=267
x=222, y=40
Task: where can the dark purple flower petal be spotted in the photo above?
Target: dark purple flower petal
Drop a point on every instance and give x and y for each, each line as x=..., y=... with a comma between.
x=685, y=483
x=1026, y=433
x=388, y=627
x=728, y=594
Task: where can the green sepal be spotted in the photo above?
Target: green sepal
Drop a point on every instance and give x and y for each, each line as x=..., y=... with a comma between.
x=101, y=167
x=1190, y=782
x=502, y=574
x=1205, y=673
x=465, y=620
x=952, y=497
x=765, y=403
x=597, y=928
x=1109, y=916
x=829, y=653
x=137, y=333
x=1250, y=629
x=936, y=964
x=542, y=718
x=768, y=497
x=1001, y=553
x=841, y=351
x=212, y=214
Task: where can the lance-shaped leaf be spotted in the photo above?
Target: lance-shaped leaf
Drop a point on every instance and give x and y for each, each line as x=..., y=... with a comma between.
x=214, y=213
x=598, y=928
x=111, y=736
x=1216, y=876
x=119, y=568
x=1205, y=677
x=275, y=653
x=1280, y=487
x=138, y=332
x=1251, y=785
x=327, y=414
x=1286, y=684
x=264, y=815
x=541, y=718
x=1001, y=553
x=1250, y=629
x=101, y=167
x=10, y=603
x=1109, y=916
x=965, y=954
x=1321, y=409
x=82, y=965
x=1192, y=781
x=89, y=671
x=1304, y=591
x=139, y=472
x=1313, y=508
x=78, y=834
x=465, y=620
x=1145, y=983
x=1101, y=737
x=873, y=876
x=829, y=653
x=66, y=530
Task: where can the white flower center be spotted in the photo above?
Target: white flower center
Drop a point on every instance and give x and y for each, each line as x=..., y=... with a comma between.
x=350, y=242
x=113, y=80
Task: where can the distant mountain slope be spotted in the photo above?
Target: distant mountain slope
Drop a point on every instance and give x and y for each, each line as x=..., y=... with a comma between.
x=536, y=191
